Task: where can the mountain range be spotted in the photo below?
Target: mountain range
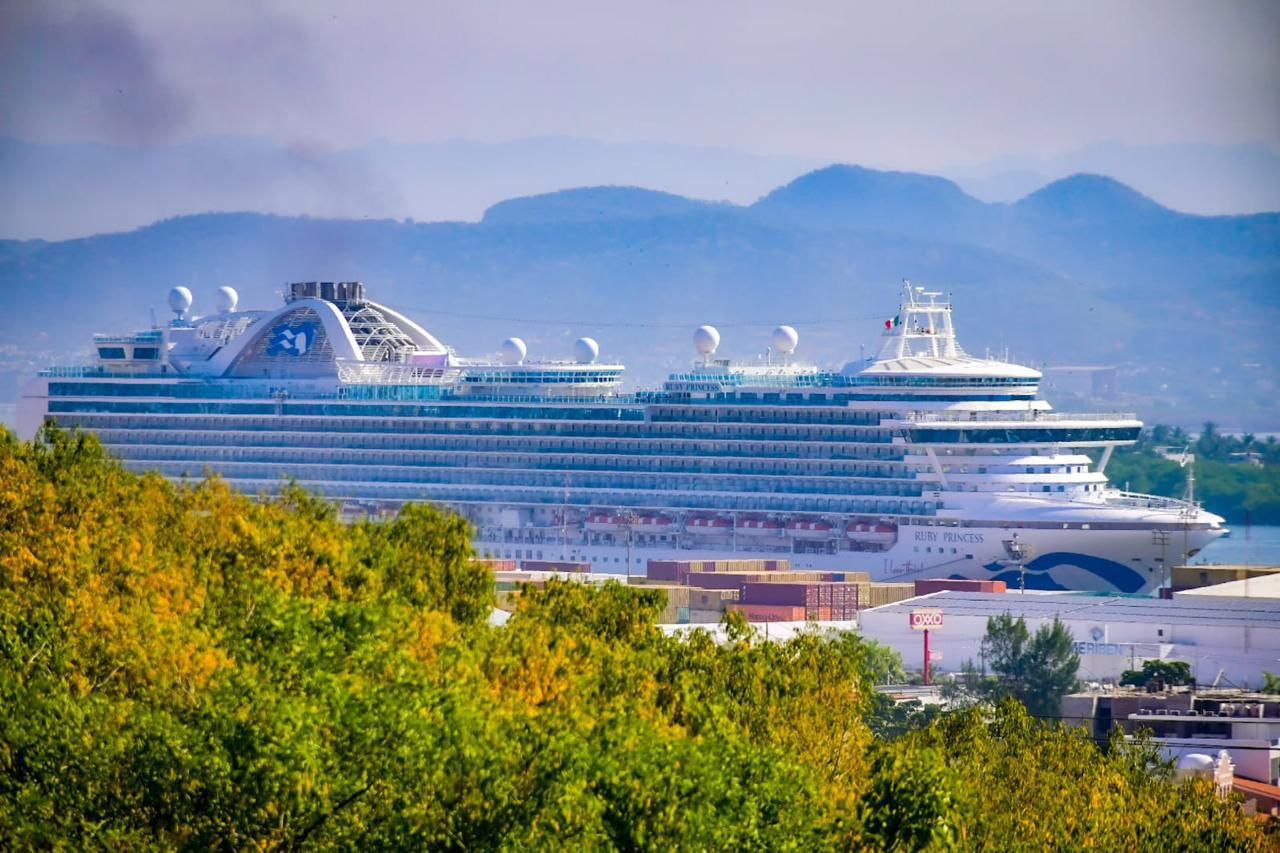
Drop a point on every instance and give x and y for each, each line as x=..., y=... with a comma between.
x=1084, y=271
x=63, y=190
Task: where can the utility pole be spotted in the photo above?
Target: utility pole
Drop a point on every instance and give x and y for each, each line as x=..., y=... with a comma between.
x=1161, y=538
x=926, y=657
x=629, y=516
x=1019, y=553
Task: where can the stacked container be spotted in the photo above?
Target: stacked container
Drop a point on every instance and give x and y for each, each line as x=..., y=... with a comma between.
x=924, y=587
x=497, y=565
x=821, y=600
x=769, y=612
x=564, y=566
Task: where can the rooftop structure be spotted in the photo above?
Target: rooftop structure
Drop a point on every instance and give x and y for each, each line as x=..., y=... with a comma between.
x=1190, y=724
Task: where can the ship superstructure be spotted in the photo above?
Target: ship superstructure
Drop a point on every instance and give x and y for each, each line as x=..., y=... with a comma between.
x=920, y=462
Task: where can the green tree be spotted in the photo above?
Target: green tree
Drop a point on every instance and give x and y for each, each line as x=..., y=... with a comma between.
x=184, y=667
x=912, y=801
x=1165, y=672
x=1037, y=669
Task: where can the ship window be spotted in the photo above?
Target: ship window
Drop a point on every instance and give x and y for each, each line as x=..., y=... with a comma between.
x=110, y=352
x=145, y=353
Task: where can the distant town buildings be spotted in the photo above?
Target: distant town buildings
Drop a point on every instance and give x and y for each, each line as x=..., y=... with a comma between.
x=1187, y=723
x=1095, y=382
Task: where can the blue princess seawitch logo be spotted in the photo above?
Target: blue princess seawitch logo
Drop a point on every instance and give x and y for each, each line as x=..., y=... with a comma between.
x=296, y=340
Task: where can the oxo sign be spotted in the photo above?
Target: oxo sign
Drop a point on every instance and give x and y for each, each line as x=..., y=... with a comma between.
x=923, y=620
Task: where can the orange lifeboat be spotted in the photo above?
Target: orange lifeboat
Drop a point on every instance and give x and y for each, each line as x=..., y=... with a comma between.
x=605, y=522
x=809, y=529
x=708, y=525
x=758, y=527
x=878, y=534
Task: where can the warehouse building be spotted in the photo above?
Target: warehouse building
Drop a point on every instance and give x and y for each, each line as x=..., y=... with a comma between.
x=1227, y=640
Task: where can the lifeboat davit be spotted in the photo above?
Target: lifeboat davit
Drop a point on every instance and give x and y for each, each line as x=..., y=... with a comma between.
x=758, y=527
x=879, y=534
x=605, y=522
x=708, y=525
x=809, y=529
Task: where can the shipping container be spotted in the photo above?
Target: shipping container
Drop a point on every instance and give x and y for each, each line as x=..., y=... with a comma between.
x=712, y=599
x=497, y=565
x=924, y=587
x=880, y=594
x=705, y=617
x=769, y=612
x=668, y=570
x=564, y=566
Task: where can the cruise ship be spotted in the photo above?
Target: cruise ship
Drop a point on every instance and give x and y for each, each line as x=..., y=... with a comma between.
x=920, y=462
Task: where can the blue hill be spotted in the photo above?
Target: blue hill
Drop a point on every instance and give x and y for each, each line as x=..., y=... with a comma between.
x=1082, y=271
x=590, y=204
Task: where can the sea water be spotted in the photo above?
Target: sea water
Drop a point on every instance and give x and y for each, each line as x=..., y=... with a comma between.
x=1258, y=545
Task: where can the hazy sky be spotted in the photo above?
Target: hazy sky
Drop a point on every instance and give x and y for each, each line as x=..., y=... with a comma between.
x=911, y=84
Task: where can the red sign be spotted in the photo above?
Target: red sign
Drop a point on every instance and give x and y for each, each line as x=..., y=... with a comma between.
x=927, y=619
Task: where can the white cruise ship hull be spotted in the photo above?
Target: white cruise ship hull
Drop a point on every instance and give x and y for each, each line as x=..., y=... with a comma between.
x=924, y=462
x=1119, y=561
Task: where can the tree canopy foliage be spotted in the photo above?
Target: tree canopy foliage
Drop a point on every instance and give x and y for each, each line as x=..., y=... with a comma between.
x=1036, y=669
x=1226, y=485
x=1163, y=672
x=185, y=667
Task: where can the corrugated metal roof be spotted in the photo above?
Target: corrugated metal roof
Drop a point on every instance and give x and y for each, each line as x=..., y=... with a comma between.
x=1200, y=610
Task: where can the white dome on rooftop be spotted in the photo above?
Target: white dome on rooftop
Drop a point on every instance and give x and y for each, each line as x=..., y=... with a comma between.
x=1195, y=761
x=514, y=351
x=585, y=350
x=785, y=339
x=706, y=339
x=225, y=299
x=179, y=300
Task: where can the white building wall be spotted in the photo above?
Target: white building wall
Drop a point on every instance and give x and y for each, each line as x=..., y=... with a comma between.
x=1254, y=759
x=1240, y=652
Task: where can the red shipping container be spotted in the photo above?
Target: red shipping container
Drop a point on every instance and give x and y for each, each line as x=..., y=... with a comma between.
x=676, y=571
x=793, y=594
x=930, y=585
x=769, y=612
x=554, y=566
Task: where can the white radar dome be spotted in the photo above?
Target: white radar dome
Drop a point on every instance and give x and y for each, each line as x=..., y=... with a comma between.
x=513, y=351
x=785, y=339
x=225, y=299
x=585, y=350
x=706, y=339
x=179, y=300
x=1195, y=761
